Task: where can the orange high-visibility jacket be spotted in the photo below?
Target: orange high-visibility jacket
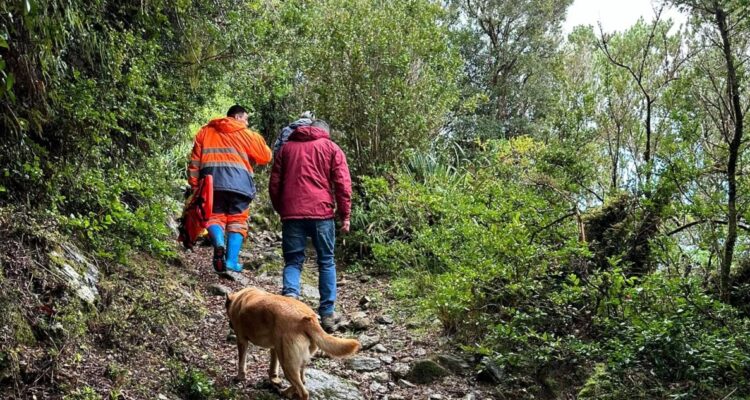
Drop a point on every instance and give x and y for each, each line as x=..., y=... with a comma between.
x=227, y=150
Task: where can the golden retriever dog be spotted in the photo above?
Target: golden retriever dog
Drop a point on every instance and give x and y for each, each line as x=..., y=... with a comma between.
x=289, y=328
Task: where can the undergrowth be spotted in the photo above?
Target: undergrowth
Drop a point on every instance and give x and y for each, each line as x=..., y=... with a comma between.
x=48, y=332
x=482, y=248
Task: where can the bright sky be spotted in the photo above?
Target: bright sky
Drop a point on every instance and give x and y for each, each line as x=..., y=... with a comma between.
x=615, y=15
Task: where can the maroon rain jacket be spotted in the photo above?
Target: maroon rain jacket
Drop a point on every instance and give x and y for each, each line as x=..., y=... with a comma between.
x=310, y=178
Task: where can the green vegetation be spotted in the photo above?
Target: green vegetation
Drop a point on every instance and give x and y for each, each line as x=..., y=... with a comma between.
x=85, y=393
x=573, y=210
x=193, y=384
x=482, y=247
x=586, y=258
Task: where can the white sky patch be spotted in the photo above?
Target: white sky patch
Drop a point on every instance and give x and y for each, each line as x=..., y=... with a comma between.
x=615, y=15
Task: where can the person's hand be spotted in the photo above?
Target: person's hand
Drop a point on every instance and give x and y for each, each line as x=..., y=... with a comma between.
x=345, y=226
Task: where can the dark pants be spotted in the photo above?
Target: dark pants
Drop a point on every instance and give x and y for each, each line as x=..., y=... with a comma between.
x=230, y=211
x=230, y=202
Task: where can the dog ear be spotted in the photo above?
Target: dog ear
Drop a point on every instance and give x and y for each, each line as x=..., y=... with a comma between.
x=227, y=300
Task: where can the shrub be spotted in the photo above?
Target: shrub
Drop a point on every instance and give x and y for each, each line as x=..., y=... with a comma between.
x=193, y=384
x=492, y=250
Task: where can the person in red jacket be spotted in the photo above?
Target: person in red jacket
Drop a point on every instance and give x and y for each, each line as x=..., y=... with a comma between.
x=227, y=150
x=309, y=185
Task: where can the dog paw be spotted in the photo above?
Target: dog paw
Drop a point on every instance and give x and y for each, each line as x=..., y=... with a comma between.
x=276, y=381
x=289, y=393
x=239, y=378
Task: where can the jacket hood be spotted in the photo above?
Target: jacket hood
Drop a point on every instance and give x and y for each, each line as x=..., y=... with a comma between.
x=308, y=133
x=300, y=122
x=227, y=124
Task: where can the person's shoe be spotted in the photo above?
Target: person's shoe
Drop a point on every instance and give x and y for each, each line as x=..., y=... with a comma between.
x=330, y=322
x=216, y=234
x=234, y=244
x=234, y=267
x=219, y=259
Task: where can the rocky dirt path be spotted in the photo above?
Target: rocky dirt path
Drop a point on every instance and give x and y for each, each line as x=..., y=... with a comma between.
x=398, y=356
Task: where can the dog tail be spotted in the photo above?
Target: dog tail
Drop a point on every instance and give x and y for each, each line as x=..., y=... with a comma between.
x=330, y=344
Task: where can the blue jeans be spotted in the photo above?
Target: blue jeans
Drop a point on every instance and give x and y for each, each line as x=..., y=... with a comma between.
x=294, y=241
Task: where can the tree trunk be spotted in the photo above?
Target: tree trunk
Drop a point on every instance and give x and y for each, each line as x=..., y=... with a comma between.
x=615, y=163
x=734, y=151
x=647, y=152
x=615, y=154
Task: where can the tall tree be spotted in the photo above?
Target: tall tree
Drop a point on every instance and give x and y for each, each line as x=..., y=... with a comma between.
x=516, y=42
x=720, y=27
x=653, y=59
x=384, y=73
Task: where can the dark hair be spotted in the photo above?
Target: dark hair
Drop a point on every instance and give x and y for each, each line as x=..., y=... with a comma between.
x=236, y=109
x=319, y=123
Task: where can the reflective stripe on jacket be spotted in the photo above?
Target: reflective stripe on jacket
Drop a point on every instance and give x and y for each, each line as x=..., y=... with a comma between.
x=227, y=150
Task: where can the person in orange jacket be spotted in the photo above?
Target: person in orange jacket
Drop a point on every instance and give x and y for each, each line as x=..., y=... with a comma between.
x=227, y=150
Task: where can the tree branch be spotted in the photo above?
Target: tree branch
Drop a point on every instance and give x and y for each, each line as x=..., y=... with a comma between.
x=568, y=215
x=740, y=225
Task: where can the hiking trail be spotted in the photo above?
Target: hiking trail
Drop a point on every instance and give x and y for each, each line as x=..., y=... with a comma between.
x=399, y=358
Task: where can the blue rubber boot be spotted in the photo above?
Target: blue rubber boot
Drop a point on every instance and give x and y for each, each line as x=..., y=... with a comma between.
x=216, y=232
x=234, y=244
